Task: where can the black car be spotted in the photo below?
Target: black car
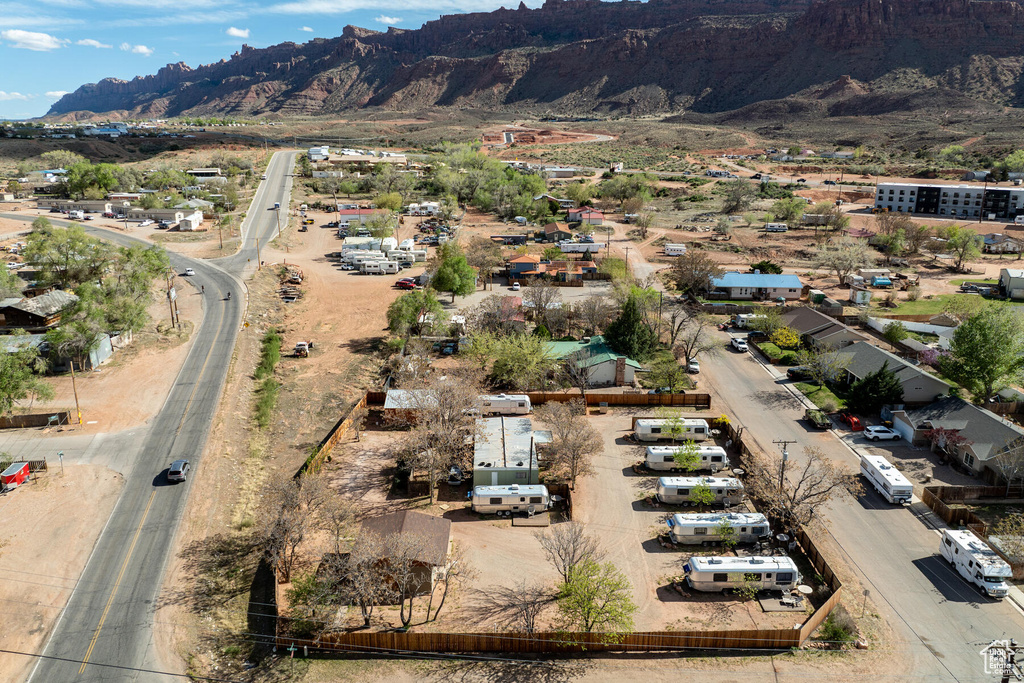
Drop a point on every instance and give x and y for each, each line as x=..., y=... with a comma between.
x=830, y=182
x=799, y=373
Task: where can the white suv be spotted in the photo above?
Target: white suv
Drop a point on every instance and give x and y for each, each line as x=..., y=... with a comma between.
x=878, y=433
x=739, y=344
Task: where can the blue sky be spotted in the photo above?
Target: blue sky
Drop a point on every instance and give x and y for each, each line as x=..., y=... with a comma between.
x=50, y=47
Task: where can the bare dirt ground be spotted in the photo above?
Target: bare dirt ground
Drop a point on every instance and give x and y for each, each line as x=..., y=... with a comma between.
x=50, y=528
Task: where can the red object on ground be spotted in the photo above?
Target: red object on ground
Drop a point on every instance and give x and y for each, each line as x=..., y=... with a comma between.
x=15, y=475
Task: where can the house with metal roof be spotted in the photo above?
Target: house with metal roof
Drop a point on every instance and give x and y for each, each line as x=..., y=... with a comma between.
x=919, y=386
x=36, y=314
x=603, y=366
x=764, y=286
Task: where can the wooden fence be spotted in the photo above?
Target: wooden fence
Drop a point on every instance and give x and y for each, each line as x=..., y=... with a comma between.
x=337, y=433
x=37, y=465
x=696, y=401
x=61, y=417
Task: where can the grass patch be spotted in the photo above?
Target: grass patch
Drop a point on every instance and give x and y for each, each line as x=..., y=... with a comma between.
x=266, y=400
x=270, y=354
x=960, y=281
x=822, y=396
x=615, y=267
x=777, y=355
x=933, y=305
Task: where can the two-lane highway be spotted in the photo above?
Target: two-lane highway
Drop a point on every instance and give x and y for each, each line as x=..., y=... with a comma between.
x=105, y=632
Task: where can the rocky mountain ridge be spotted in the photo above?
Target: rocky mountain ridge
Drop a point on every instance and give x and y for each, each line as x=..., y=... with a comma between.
x=587, y=56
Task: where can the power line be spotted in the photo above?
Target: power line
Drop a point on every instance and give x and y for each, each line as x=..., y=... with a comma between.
x=121, y=667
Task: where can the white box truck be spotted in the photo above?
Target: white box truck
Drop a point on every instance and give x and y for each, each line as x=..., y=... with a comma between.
x=974, y=560
x=662, y=458
x=709, y=528
x=504, y=500
x=722, y=574
x=679, y=490
x=659, y=429
x=505, y=404
x=886, y=479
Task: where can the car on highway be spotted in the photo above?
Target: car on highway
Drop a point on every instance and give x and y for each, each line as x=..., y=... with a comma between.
x=829, y=182
x=189, y=271
x=739, y=344
x=801, y=180
x=880, y=433
x=178, y=471
x=851, y=420
x=693, y=367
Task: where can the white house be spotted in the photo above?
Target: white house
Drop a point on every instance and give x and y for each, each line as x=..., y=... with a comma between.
x=1011, y=283
x=191, y=222
x=758, y=285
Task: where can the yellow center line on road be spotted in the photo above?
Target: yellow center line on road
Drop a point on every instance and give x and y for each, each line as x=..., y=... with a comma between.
x=113, y=592
x=202, y=371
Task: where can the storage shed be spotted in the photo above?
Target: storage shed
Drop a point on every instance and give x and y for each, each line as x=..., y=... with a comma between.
x=15, y=475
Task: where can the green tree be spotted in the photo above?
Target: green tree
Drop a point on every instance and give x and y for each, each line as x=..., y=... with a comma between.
x=986, y=350
x=788, y=210
x=66, y=256
x=964, y=244
x=894, y=244
x=61, y=158
x=954, y=154
x=597, y=597
x=454, y=274
x=874, y=390
x=579, y=192
x=1014, y=163
x=895, y=332
x=347, y=188
x=726, y=533
x=630, y=334
x=513, y=361
x=552, y=254
x=701, y=494
x=392, y=201
x=18, y=379
x=380, y=226
x=404, y=312
x=687, y=456
x=766, y=266
x=786, y=338
x=738, y=195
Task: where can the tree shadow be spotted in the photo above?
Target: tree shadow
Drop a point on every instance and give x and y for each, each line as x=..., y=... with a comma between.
x=219, y=570
x=776, y=399
x=364, y=346
x=523, y=670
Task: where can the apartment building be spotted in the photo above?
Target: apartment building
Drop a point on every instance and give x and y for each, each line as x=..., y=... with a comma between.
x=959, y=201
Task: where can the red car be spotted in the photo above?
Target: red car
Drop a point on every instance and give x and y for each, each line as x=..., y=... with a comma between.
x=405, y=284
x=852, y=420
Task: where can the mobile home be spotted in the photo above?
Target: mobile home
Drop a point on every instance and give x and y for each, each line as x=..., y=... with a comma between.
x=662, y=458
x=675, y=249
x=657, y=429
x=776, y=227
x=721, y=574
x=886, y=479
x=679, y=490
x=976, y=561
x=505, y=404
x=504, y=500
x=691, y=529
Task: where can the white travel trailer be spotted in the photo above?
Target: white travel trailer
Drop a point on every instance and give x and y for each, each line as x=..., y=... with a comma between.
x=388, y=243
x=505, y=404
x=504, y=500
x=371, y=268
x=407, y=244
x=976, y=561
x=389, y=266
x=675, y=249
x=76, y=215
x=662, y=458
x=658, y=429
x=721, y=574
x=579, y=247
x=886, y=479
x=776, y=227
x=691, y=529
x=418, y=255
x=679, y=490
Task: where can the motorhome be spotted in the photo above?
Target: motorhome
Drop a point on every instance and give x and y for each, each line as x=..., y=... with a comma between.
x=705, y=529
x=504, y=500
x=505, y=404
x=886, y=479
x=659, y=429
x=776, y=227
x=662, y=458
x=721, y=574
x=76, y=215
x=371, y=268
x=675, y=249
x=976, y=561
x=679, y=490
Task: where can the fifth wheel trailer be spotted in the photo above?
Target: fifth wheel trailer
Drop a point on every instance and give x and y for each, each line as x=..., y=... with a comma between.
x=720, y=574
x=886, y=479
x=679, y=490
x=974, y=560
x=662, y=458
x=703, y=529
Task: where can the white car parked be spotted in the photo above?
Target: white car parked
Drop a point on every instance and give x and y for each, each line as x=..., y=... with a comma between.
x=739, y=344
x=878, y=433
x=145, y=223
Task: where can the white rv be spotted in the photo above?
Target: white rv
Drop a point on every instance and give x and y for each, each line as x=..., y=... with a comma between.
x=675, y=249
x=886, y=479
x=691, y=529
x=505, y=404
x=76, y=215
x=679, y=490
x=418, y=255
x=407, y=244
x=504, y=500
x=656, y=429
x=662, y=458
x=371, y=268
x=976, y=561
x=720, y=574
x=388, y=243
x=389, y=266
x=776, y=227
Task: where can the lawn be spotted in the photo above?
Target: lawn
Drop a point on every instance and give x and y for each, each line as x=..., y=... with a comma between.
x=967, y=279
x=932, y=306
x=820, y=396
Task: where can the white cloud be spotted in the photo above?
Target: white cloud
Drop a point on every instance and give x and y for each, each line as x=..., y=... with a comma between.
x=56, y=94
x=137, y=49
x=89, y=42
x=238, y=32
x=428, y=6
x=306, y=29
x=390, y=21
x=30, y=40
x=5, y=96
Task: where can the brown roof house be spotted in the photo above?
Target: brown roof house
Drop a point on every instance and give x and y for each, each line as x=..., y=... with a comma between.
x=556, y=232
x=819, y=330
x=37, y=314
x=428, y=536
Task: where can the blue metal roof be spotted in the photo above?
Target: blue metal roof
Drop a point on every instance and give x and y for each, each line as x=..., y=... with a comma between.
x=758, y=280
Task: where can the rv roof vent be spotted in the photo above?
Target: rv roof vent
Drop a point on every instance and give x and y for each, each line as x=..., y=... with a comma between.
x=715, y=560
x=585, y=340
x=514, y=487
x=519, y=464
x=757, y=560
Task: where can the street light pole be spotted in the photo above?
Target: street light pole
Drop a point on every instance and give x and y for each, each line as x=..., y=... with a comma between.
x=60, y=456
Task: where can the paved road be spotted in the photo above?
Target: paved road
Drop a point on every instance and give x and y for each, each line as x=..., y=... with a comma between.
x=105, y=632
x=939, y=620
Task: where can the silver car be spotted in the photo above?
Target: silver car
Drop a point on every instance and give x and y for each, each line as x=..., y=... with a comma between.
x=178, y=471
x=879, y=433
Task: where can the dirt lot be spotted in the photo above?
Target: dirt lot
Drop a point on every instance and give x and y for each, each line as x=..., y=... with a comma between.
x=50, y=526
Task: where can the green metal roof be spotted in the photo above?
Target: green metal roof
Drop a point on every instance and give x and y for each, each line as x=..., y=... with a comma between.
x=599, y=352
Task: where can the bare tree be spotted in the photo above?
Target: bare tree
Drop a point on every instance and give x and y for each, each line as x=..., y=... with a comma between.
x=693, y=272
x=917, y=236
x=365, y=576
x=484, y=254
x=496, y=313
x=890, y=223
x=402, y=555
x=792, y=494
x=1009, y=462
x=457, y=572
x=1010, y=532
x=516, y=608
x=576, y=370
x=574, y=441
x=679, y=316
x=282, y=525
x=336, y=517
x=593, y=313
x=542, y=296
x=823, y=364
x=695, y=339
x=567, y=546
x=643, y=222
x=844, y=256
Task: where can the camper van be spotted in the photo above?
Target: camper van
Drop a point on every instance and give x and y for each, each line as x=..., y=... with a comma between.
x=776, y=227
x=976, y=561
x=886, y=479
x=371, y=268
x=691, y=529
x=656, y=429
x=675, y=249
x=678, y=490
x=721, y=574
x=505, y=404
x=662, y=458
x=504, y=500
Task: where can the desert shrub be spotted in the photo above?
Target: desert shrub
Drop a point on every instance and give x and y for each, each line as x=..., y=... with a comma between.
x=838, y=628
x=266, y=400
x=270, y=354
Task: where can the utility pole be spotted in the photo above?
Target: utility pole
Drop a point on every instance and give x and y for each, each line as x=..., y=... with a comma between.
x=782, y=443
x=74, y=388
x=259, y=263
